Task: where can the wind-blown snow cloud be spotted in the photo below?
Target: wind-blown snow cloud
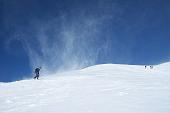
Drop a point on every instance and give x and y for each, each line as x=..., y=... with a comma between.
x=60, y=44
x=63, y=45
x=71, y=40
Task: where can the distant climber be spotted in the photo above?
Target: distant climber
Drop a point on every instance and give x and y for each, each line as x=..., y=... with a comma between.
x=151, y=67
x=145, y=66
x=37, y=72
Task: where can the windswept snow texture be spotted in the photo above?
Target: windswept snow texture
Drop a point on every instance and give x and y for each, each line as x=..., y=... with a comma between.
x=107, y=88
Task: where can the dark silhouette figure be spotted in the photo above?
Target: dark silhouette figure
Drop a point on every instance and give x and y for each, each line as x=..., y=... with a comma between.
x=145, y=67
x=151, y=67
x=37, y=73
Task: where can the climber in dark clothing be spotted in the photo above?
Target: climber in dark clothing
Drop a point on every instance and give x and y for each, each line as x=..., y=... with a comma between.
x=37, y=73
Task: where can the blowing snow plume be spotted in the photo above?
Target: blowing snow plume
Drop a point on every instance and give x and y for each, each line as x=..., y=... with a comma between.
x=61, y=44
x=71, y=39
x=68, y=42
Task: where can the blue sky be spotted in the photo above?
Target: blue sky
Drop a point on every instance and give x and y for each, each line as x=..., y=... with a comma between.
x=63, y=35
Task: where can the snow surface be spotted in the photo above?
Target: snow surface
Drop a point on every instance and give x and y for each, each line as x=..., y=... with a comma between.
x=107, y=88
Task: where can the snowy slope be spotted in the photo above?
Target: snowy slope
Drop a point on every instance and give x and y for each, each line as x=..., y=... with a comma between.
x=106, y=88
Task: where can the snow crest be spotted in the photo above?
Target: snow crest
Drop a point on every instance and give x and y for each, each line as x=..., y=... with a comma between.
x=107, y=88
